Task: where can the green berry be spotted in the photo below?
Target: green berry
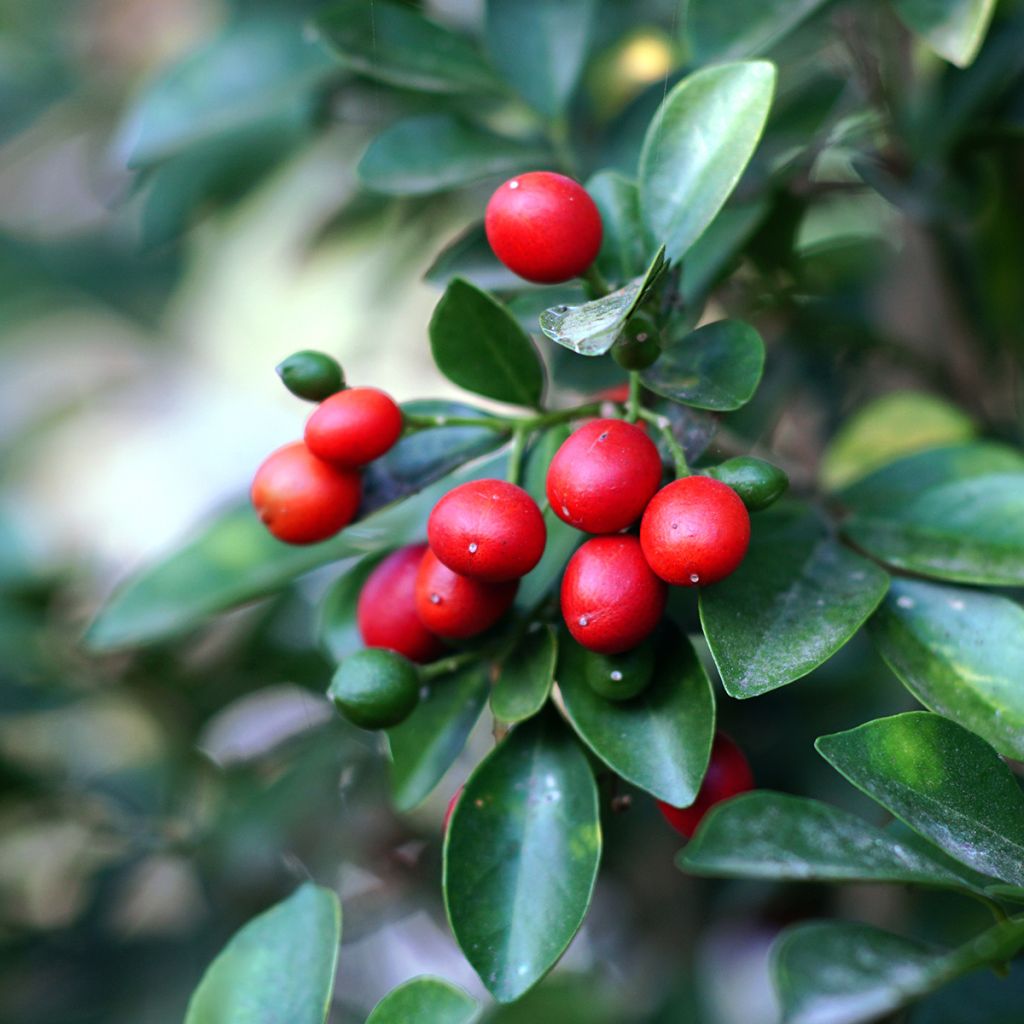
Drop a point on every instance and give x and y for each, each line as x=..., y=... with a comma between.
x=758, y=483
x=375, y=688
x=311, y=375
x=639, y=344
x=621, y=676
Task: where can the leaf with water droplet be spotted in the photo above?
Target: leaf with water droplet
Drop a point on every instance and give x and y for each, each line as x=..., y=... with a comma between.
x=591, y=329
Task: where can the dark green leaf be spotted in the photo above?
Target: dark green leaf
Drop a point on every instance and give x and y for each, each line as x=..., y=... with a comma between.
x=943, y=781
x=710, y=257
x=397, y=45
x=434, y=152
x=954, y=29
x=279, y=969
x=844, y=973
x=697, y=146
x=718, y=366
x=562, y=538
x=426, y=744
x=525, y=678
x=893, y=426
x=745, y=28
x=961, y=653
x=623, y=249
x=797, y=598
x=470, y=256
x=259, y=69
x=337, y=629
x=235, y=560
x=521, y=856
x=539, y=46
x=659, y=740
x=478, y=345
x=776, y=836
x=953, y=513
x=425, y=1001
x=592, y=328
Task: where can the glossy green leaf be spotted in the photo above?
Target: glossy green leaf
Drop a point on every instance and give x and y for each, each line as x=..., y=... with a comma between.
x=953, y=513
x=954, y=29
x=887, y=429
x=539, y=47
x=659, y=740
x=829, y=972
x=591, y=329
x=478, y=345
x=943, y=781
x=337, y=629
x=718, y=366
x=797, y=598
x=525, y=677
x=426, y=1001
x=777, y=836
x=745, y=28
x=426, y=744
x=434, y=152
x=235, y=560
x=698, y=145
x=521, y=856
x=395, y=44
x=961, y=653
x=278, y=969
x=258, y=69
x=623, y=254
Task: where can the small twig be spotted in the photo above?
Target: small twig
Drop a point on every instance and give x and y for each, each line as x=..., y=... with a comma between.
x=664, y=425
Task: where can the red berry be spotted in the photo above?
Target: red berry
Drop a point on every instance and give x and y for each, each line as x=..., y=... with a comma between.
x=386, y=612
x=455, y=606
x=354, y=427
x=695, y=531
x=603, y=476
x=488, y=530
x=303, y=499
x=610, y=598
x=728, y=775
x=544, y=227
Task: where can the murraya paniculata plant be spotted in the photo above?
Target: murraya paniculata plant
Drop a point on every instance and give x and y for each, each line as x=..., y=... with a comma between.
x=605, y=552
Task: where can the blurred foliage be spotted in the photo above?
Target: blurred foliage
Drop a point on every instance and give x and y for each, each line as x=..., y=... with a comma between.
x=153, y=802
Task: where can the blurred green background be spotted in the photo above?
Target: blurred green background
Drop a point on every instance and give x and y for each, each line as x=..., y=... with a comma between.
x=152, y=802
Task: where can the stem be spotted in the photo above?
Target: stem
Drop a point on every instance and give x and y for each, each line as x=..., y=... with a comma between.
x=597, y=286
x=515, y=455
x=664, y=425
x=449, y=664
x=633, y=406
x=503, y=424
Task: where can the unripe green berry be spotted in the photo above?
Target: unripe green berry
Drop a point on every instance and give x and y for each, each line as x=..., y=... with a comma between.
x=621, y=676
x=758, y=483
x=375, y=688
x=311, y=375
x=639, y=344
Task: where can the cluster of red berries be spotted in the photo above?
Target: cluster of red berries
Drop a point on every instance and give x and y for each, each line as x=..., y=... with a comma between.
x=308, y=490
x=485, y=535
x=693, y=531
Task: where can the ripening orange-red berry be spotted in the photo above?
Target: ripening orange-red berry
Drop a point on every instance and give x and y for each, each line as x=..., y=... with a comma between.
x=302, y=499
